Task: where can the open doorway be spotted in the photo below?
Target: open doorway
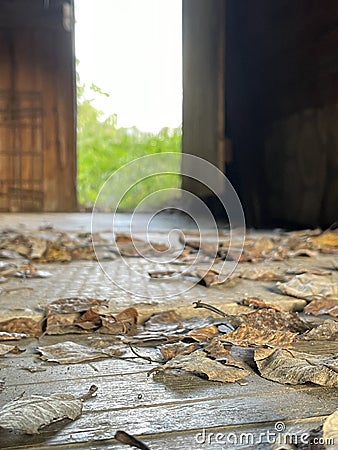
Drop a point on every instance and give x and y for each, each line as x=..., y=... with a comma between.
x=129, y=88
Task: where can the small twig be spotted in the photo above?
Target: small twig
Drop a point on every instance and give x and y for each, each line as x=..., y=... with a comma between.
x=199, y=304
x=90, y=393
x=128, y=439
x=147, y=358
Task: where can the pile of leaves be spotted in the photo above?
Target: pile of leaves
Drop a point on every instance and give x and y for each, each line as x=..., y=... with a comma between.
x=208, y=347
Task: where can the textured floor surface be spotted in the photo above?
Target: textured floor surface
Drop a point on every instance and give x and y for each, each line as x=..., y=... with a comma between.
x=169, y=410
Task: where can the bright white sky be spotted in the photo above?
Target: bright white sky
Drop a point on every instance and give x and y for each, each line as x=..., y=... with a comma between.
x=132, y=50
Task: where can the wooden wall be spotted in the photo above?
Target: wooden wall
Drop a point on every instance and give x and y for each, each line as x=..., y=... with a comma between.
x=37, y=106
x=282, y=109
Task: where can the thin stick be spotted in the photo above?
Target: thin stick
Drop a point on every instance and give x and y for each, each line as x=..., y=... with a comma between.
x=199, y=304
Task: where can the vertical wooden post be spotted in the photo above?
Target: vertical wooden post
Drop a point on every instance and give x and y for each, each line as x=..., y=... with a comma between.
x=204, y=84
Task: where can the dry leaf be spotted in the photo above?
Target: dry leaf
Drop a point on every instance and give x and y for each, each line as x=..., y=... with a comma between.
x=323, y=306
x=5, y=336
x=330, y=431
x=292, y=367
x=257, y=303
x=30, y=414
x=246, y=335
x=217, y=349
x=22, y=321
x=309, y=286
x=311, y=270
x=163, y=321
x=63, y=314
x=57, y=253
x=170, y=351
x=199, y=364
x=203, y=334
x=4, y=349
x=326, y=239
x=123, y=323
x=326, y=331
x=273, y=320
x=70, y=353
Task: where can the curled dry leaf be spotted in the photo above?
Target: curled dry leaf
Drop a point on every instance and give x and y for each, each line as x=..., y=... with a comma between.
x=246, y=335
x=330, y=431
x=309, y=287
x=292, y=367
x=30, y=414
x=323, y=306
x=35, y=412
x=199, y=364
x=123, y=323
x=64, y=315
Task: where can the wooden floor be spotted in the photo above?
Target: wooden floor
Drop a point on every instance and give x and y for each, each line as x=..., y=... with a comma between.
x=167, y=410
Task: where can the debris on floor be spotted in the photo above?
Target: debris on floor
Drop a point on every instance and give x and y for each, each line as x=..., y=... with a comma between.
x=29, y=415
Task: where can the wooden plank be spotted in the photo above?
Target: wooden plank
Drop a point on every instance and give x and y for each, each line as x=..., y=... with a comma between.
x=179, y=417
x=246, y=437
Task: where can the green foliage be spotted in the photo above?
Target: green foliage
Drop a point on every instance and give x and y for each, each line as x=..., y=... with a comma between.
x=103, y=148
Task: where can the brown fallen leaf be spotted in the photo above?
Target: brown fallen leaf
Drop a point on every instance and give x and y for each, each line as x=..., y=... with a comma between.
x=199, y=364
x=326, y=331
x=257, y=303
x=70, y=353
x=64, y=313
x=203, y=334
x=55, y=253
x=309, y=287
x=274, y=320
x=22, y=325
x=246, y=336
x=170, y=351
x=215, y=277
x=217, y=349
x=85, y=253
x=328, y=239
x=89, y=320
x=323, y=306
x=292, y=367
x=123, y=323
